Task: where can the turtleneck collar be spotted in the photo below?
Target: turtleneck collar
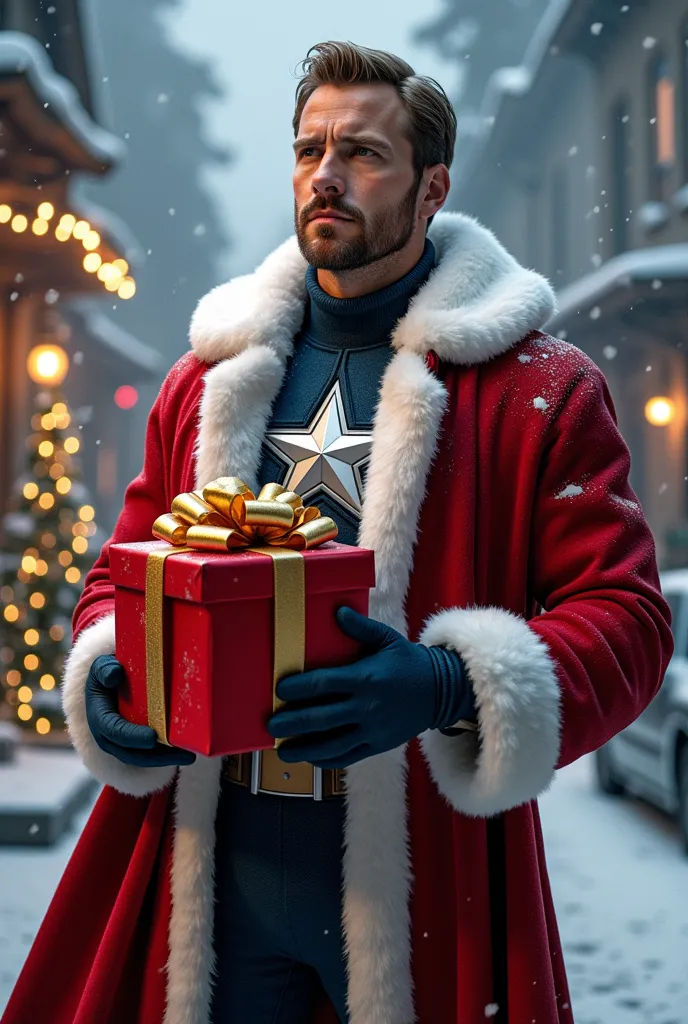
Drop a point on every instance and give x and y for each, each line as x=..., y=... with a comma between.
x=365, y=321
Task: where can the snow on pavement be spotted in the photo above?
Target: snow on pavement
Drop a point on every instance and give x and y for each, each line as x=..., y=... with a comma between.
x=620, y=885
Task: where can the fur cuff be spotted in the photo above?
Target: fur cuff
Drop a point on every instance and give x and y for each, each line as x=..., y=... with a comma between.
x=511, y=759
x=97, y=639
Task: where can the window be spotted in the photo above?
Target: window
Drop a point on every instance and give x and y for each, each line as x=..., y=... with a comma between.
x=622, y=163
x=662, y=127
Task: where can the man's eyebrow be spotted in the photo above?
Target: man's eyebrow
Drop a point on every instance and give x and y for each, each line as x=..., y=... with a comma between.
x=362, y=140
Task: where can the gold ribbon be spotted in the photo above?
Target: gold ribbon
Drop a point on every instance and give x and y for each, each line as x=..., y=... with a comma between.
x=225, y=516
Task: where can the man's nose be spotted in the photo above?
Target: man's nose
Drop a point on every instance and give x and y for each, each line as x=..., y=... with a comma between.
x=328, y=179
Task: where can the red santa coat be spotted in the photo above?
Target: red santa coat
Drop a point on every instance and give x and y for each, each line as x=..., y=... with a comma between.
x=498, y=505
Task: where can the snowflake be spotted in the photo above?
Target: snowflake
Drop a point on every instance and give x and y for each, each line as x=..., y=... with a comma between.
x=609, y=352
x=573, y=150
x=492, y=1009
x=595, y=313
x=596, y=28
x=540, y=403
x=171, y=211
x=657, y=284
x=14, y=296
x=199, y=230
x=163, y=97
x=596, y=259
x=649, y=42
x=51, y=296
x=647, y=369
x=525, y=359
x=570, y=491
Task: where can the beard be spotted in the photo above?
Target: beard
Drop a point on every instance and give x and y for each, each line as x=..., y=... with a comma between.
x=387, y=231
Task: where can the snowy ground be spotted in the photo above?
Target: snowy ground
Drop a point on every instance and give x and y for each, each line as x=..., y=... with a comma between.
x=620, y=884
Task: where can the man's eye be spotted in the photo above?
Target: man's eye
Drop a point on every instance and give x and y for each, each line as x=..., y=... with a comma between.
x=365, y=149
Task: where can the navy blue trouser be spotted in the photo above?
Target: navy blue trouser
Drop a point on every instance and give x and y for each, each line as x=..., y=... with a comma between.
x=278, y=933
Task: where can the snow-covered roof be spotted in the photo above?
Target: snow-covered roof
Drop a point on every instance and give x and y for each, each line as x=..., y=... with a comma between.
x=113, y=337
x=21, y=54
x=660, y=262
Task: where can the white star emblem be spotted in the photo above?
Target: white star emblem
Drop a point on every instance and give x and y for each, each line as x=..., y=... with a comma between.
x=327, y=455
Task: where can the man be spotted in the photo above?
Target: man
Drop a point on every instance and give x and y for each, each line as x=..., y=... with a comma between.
x=400, y=380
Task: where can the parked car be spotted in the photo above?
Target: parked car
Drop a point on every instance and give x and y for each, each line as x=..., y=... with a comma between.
x=650, y=757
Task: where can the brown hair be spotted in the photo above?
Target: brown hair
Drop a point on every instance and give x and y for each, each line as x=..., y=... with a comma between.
x=431, y=122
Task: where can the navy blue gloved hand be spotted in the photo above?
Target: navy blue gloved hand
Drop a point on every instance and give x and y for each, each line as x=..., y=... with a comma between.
x=131, y=744
x=394, y=692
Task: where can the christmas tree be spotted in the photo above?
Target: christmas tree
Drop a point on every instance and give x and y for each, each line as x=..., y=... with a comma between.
x=47, y=550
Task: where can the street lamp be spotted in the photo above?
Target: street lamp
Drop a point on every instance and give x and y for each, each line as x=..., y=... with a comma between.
x=47, y=364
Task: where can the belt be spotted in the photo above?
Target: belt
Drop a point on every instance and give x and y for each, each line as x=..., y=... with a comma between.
x=262, y=771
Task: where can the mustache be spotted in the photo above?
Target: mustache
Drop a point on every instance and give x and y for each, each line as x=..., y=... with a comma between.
x=336, y=205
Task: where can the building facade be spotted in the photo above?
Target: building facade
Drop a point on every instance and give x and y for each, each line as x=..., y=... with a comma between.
x=582, y=171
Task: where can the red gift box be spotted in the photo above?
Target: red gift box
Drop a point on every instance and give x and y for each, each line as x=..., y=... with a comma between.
x=218, y=629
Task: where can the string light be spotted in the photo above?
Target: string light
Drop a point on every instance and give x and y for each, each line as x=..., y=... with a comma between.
x=72, y=575
x=37, y=600
x=11, y=613
x=43, y=726
x=25, y=712
x=86, y=513
x=47, y=682
x=71, y=445
x=30, y=490
x=25, y=693
x=63, y=485
x=31, y=662
x=81, y=231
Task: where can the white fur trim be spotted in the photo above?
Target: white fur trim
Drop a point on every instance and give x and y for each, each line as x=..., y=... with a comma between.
x=477, y=303
x=234, y=411
x=376, y=867
x=97, y=639
x=192, y=961
x=511, y=760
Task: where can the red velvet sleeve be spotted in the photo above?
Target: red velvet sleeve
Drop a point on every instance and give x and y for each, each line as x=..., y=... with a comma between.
x=144, y=501
x=595, y=575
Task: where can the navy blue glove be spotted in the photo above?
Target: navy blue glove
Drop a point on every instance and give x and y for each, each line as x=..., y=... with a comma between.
x=395, y=692
x=129, y=743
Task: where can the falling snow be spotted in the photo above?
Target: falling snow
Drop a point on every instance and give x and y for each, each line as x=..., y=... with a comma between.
x=596, y=28
x=163, y=97
x=540, y=403
x=609, y=352
x=595, y=313
x=492, y=1009
x=525, y=359
x=649, y=42
x=570, y=491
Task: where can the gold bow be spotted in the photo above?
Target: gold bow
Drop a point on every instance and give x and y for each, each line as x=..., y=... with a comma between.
x=226, y=516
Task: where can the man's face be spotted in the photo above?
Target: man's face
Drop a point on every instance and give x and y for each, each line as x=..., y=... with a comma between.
x=352, y=159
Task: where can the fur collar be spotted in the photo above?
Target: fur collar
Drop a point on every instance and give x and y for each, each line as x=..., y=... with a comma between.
x=477, y=303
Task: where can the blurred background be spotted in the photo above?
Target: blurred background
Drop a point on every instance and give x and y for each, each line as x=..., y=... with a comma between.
x=145, y=156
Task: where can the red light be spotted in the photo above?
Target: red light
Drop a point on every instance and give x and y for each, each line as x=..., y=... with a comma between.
x=126, y=397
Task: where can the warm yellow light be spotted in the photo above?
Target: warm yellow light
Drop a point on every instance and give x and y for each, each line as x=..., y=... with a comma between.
x=28, y=563
x=113, y=283
x=46, y=211
x=86, y=513
x=72, y=575
x=25, y=693
x=19, y=223
x=91, y=240
x=56, y=632
x=41, y=567
x=13, y=677
x=31, y=662
x=81, y=229
x=127, y=289
x=5, y=213
x=48, y=421
x=56, y=471
x=105, y=271
x=11, y=613
x=67, y=221
x=660, y=411
x=91, y=262
x=46, y=448
x=47, y=682
x=46, y=500
x=47, y=364
x=63, y=485
x=80, y=530
x=43, y=726
x=65, y=558
x=25, y=712
x=63, y=421
x=80, y=545
x=32, y=551
x=62, y=234
x=37, y=600
x=30, y=490
x=40, y=226
x=31, y=637
x=71, y=445
x=59, y=408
